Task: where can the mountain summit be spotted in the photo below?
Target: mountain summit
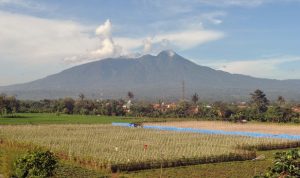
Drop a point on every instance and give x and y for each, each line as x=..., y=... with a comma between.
x=150, y=77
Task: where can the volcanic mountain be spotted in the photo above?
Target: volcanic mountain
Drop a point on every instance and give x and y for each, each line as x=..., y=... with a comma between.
x=164, y=76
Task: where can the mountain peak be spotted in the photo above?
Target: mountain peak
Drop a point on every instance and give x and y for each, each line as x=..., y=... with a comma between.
x=169, y=53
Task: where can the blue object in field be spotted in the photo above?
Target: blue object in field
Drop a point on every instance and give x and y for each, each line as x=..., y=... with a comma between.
x=122, y=124
x=218, y=132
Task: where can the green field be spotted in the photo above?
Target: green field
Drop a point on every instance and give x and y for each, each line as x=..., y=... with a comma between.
x=45, y=118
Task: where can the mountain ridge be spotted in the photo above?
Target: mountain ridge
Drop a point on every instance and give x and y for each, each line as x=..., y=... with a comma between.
x=150, y=77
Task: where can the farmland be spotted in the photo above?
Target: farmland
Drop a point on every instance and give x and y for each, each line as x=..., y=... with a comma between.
x=90, y=146
x=47, y=118
x=271, y=128
x=103, y=146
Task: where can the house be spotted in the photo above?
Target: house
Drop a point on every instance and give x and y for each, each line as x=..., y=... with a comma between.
x=194, y=110
x=164, y=107
x=127, y=106
x=242, y=105
x=296, y=109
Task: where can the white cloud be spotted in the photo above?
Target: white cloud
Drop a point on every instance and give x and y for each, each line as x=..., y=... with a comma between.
x=28, y=39
x=213, y=17
x=106, y=49
x=265, y=68
x=184, y=39
x=104, y=30
x=147, y=45
x=189, y=38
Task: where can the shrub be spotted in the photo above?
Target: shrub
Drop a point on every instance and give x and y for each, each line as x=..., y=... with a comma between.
x=296, y=120
x=35, y=164
x=286, y=164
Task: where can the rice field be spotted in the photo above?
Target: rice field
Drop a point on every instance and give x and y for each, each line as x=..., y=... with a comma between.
x=229, y=126
x=119, y=148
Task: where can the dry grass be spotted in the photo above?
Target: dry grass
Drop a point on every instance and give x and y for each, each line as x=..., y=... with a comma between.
x=227, y=126
x=104, y=145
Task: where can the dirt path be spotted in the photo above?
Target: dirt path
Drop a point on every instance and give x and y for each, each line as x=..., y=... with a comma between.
x=227, y=126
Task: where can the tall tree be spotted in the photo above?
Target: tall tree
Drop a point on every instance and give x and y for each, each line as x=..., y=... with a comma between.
x=259, y=101
x=2, y=103
x=130, y=95
x=280, y=100
x=195, y=98
x=81, y=96
x=68, y=104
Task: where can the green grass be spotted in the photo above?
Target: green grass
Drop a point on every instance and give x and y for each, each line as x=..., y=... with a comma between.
x=47, y=118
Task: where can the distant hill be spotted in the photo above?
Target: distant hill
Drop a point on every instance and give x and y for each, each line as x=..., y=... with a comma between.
x=151, y=77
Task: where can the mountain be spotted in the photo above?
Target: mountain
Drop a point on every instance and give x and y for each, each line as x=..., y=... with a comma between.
x=151, y=77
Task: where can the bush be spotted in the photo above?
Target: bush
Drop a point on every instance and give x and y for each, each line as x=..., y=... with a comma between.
x=296, y=120
x=286, y=164
x=35, y=164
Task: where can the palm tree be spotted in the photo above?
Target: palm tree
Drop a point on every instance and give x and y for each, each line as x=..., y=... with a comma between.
x=81, y=96
x=195, y=98
x=130, y=95
x=280, y=100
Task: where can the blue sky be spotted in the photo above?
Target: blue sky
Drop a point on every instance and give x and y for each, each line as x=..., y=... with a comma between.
x=259, y=37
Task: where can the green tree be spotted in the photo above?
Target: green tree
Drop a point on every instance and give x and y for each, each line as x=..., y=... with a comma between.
x=2, y=104
x=68, y=104
x=130, y=95
x=11, y=104
x=195, y=98
x=280, y=114
x=280, y=100
x=37, y=164
x=286, y=164
x=222, y=109
x=259, y=101
x=81, y=96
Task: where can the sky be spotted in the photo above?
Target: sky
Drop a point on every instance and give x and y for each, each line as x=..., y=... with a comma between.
x=41, y=37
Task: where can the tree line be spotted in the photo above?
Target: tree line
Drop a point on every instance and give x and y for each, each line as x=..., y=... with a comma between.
x=259, y=108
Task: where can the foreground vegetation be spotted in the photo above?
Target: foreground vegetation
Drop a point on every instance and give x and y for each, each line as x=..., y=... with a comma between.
x=9, y=153
x=114, y=148
x=236, y=169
